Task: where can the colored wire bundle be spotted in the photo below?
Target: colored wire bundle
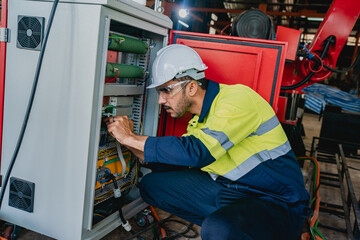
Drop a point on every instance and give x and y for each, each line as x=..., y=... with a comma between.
x=315, y=234
x=320, y=62
x=189, y=231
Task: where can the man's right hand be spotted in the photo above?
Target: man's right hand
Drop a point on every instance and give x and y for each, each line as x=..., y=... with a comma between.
x=120, y=127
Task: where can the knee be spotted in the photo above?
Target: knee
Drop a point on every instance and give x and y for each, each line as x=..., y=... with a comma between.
x=145, y=186
x=150, y=188
x=214, y=225
x=221, y=226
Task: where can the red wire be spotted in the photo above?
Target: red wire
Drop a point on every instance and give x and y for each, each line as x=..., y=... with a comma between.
x=222, y=31
x=113, y=79
x=322, y=64
x=162, y=230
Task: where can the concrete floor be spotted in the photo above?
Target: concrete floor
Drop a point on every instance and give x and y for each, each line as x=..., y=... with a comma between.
x=312, y=127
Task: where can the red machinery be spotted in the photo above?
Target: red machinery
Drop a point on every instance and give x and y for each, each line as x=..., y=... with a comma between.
x=225, y=66
x=326, y=46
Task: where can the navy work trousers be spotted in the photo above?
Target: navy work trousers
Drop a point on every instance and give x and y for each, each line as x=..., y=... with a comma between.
x=223, y=213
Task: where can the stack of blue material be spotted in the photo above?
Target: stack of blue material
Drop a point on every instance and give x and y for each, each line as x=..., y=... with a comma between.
x=318, y=95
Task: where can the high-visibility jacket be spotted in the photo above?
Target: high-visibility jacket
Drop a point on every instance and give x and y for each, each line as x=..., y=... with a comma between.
x=238, y=140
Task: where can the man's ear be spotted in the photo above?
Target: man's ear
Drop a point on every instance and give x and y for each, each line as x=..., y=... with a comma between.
x=193, y=88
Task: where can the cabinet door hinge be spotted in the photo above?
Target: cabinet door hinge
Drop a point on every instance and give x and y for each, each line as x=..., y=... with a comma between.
x=4, y=34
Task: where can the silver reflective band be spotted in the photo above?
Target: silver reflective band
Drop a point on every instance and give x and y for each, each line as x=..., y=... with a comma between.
x=266, y=126
x=220, y=136
x=213, y=176
x=253, y=161
x=195, y=74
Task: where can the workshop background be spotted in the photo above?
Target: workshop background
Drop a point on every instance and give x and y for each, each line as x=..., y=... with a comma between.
x=95, y=63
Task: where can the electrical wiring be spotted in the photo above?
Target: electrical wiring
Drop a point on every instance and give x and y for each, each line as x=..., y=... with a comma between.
x=134, y=180
x=329, y=41
x=106, y=195
x=123, y=187
x=103, y=180
x=162, y=230
x=321, y=64
x=113, y=79
x=310, y=56
x=315, y=234
x=222, y=30
x=31, y=101
x=99, y=215
x=188, y=233
x=117, y=37
x=152, y=45
x=353, y=65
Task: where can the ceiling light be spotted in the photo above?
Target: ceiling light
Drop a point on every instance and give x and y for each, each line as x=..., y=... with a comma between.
x=183, y=12
x=317, y=19
x=184, y=24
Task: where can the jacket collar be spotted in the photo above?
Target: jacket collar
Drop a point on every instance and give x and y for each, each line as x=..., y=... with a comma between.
x=211, y=92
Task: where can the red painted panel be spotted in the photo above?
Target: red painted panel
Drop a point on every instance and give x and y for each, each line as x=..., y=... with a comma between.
x=112, y=56
x=256, y=63
x=281, y=108
x=3, y=24
x=292, y=37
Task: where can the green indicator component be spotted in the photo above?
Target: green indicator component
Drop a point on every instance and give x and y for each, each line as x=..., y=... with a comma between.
x=126, y=44
x=123, y=70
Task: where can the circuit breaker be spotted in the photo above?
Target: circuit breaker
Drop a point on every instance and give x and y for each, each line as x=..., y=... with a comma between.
x=96, y=65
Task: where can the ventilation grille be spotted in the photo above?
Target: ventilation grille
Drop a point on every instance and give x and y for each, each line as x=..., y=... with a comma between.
x=21, y=194
x=30, y=32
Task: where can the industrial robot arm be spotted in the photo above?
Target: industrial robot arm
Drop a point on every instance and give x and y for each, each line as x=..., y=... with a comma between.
x=325, y=48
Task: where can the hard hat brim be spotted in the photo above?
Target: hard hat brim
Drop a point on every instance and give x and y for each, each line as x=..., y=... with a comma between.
x=154, y=85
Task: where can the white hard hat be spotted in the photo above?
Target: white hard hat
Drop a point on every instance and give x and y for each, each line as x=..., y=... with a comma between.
x=176, y=61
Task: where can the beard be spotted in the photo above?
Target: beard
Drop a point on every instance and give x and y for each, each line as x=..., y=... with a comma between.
x=180, y=109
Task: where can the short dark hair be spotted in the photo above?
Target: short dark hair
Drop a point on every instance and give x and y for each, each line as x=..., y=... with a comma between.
x=203, y=83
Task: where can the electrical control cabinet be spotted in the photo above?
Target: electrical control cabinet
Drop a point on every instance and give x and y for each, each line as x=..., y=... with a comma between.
x=83, y=80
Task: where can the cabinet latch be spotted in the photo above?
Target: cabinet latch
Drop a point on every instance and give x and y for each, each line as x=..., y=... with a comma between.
x=4, y=34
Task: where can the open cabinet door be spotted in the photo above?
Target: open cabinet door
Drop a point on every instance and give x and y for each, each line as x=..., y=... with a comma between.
x=256, y=63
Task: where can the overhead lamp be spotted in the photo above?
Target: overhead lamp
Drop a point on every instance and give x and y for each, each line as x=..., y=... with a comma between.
x=183, y=12
x=183, y=23
x=316, y=19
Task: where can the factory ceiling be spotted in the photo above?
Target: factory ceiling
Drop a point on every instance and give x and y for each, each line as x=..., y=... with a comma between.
x=305, y=15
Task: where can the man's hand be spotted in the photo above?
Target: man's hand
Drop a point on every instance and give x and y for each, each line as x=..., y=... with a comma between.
x=120, y=127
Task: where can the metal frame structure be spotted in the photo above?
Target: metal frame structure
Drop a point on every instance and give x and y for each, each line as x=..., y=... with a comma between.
x=340, y=180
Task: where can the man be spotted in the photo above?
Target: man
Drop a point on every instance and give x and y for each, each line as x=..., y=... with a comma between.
x=243, y=181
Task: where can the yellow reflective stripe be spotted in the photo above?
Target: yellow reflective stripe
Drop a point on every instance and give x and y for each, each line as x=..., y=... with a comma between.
x=220, y=136
x=256, y=159
x=266, y=126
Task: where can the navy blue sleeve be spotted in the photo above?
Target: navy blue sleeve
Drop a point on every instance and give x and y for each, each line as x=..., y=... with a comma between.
x=183, y=151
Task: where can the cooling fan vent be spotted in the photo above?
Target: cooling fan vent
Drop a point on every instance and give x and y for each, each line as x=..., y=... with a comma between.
x=30, y=32
x=21, y=194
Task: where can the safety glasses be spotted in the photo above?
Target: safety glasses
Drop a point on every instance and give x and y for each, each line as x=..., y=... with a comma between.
x=172, y=89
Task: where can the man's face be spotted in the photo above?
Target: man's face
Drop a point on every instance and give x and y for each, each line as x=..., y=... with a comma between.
x=172, y=96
